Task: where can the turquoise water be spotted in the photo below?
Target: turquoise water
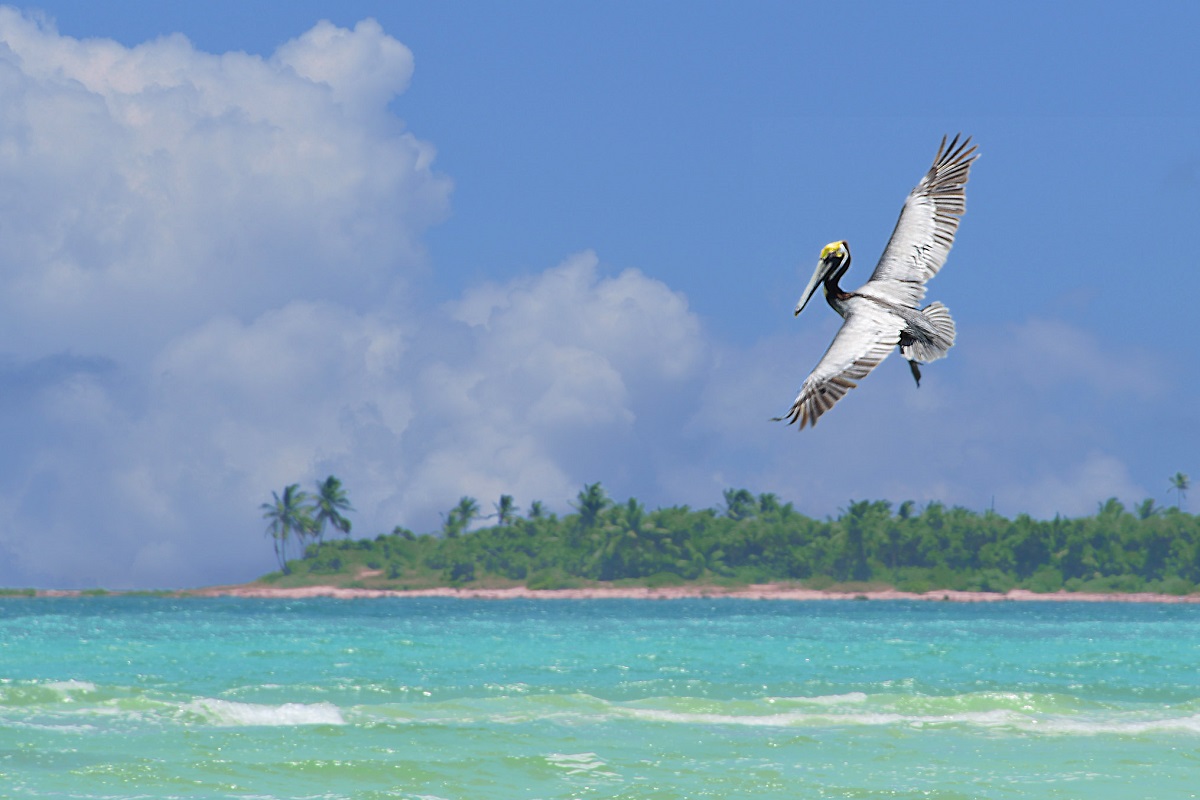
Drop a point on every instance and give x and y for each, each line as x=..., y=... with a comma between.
x=429, y=698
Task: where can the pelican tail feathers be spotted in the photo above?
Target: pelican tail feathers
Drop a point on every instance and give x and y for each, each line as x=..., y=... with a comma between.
x=929, y=335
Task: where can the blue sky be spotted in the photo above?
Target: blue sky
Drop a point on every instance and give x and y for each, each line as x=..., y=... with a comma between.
x=473, y=248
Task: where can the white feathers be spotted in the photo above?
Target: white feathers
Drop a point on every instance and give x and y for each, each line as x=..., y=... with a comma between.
x=865, y=339
x=925, y=231
x=925, y=344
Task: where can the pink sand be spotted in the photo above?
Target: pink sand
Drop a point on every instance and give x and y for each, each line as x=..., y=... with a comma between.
x=754, y=592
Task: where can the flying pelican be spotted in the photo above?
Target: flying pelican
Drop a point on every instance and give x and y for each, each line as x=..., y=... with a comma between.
x=883, y=313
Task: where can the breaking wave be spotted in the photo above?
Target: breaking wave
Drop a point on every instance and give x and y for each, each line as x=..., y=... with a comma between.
x=226, y=713
x=72, y=704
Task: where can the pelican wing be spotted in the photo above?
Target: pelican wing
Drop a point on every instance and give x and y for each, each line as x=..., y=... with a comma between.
x=926, y=228
x=865, y=339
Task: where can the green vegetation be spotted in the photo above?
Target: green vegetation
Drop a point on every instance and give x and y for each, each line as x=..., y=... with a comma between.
x=757, y=539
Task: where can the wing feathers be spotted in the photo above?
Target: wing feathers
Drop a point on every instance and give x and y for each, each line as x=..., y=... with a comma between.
x=864, y=340
x=927, y=225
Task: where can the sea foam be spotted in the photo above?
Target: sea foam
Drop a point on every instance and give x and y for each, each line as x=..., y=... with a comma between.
x=226, y=713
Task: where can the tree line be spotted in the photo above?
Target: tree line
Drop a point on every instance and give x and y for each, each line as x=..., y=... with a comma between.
x=758, y=538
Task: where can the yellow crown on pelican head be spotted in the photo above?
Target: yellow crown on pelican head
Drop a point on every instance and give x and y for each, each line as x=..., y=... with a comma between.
x=833, y=248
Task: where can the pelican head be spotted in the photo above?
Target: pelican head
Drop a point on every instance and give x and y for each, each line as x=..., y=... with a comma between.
x=835, y=260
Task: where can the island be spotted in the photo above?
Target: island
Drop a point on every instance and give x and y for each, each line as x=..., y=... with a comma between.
x=755, y=546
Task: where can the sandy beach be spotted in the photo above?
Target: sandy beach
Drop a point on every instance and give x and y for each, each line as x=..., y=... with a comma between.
x=753, y=592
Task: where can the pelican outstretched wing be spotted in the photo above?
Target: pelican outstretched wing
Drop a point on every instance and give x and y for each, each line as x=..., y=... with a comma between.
x=926, y=228
x=865, y=339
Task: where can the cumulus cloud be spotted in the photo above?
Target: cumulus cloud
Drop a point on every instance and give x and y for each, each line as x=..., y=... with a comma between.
x=213, y=235
x=363, y=68
x=557, y=373
x=146, y=189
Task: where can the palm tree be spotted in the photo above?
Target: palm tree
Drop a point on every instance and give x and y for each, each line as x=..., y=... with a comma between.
x=505, y=510
x=537, y=510
x=328, y=504
x=1146, y=509
x=287, y=514
x=461, y=516
x=618, y=547
x=450, y=526
x=856, y=522
x=1180, y=483
x=739, y=504
x=768, y=504
x=592, y=500
x=467, y=509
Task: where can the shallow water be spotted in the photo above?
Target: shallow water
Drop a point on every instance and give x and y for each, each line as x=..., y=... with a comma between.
x=431, y=698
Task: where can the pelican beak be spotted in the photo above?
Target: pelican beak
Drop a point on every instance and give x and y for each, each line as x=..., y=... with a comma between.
x=818, y=275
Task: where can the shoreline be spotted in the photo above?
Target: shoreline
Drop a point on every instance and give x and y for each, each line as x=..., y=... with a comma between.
x=752, y=592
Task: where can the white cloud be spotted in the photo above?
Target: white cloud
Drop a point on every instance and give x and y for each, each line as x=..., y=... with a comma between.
x=559, y=375
x=218, y=235
x=569, y=306
x=147, y=189
x=364, y=68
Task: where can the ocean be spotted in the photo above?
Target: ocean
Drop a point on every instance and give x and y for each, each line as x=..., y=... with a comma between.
x=144, y=697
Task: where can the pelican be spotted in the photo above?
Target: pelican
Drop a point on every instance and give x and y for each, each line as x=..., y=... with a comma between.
x=883, y=313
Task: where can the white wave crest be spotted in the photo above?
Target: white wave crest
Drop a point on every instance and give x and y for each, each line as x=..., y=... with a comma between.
x=848, y=698
x=1120, y=727
x=580, y=763
x=226, y=713
x=70, y=687
x=794, y=719
x=1134, y=723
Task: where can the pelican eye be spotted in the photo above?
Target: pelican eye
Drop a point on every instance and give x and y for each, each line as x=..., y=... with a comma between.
x=830, y=249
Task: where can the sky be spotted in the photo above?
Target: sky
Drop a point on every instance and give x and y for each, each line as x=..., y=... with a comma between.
x=477, y=249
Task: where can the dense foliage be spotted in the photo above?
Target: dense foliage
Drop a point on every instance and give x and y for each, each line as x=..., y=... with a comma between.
x=758, y=538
